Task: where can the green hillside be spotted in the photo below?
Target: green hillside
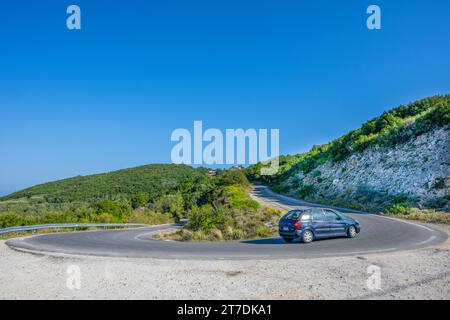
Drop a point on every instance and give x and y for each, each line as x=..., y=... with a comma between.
x=217, y=205
x=148, y=194
x=154, y=180
x=400, y=158
x=393, y=127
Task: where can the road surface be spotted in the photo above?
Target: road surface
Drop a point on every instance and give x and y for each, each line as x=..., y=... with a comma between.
x=378, y=234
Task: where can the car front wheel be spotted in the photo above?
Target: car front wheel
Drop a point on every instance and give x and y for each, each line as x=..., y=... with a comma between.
x=307, y=236
x=351, y=232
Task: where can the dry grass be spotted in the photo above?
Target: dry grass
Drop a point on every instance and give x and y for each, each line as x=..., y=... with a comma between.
x=244, y=224
x=430, y=216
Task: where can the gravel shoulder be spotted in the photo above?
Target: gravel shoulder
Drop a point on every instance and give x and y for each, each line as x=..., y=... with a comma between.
x=418, y=274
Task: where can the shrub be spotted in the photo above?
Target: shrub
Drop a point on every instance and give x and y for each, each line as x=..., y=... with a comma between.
x=439, y=183
x=104, y=218
x=57, y=217
x=263, y=232
x=10, y=219
x=306, y=191
x=150, y=217
x=280, y=188
x=222, y=223
x=296, y=182
x=400, y=199
x=139, y=200
x=233, y=177
x=204, y=218
x=237, y=197
x=430, y=216
x=316, y=173
x=237, y=234
x=116, y=209
x=399, y=209
x=364, y=141
x=438, y=203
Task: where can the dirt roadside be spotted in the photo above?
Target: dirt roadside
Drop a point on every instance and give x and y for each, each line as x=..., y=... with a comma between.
x=418, y=274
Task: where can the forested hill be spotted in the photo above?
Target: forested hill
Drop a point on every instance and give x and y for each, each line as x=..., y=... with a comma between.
x=400, y=157
x=216, y=203
x=154, y=180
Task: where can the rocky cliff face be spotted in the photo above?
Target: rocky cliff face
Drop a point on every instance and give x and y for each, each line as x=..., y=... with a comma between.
x=416, y=173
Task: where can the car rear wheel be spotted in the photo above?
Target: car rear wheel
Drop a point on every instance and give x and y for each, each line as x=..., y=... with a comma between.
x=307, y=236
x=288, y=239
x=351, y=232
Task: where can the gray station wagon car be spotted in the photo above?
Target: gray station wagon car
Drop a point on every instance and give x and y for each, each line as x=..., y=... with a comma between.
x=315, y=223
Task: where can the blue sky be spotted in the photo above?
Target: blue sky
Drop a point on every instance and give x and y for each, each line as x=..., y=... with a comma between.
x=109, y=96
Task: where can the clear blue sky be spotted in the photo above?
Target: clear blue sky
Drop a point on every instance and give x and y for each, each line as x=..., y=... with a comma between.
x=108, y=96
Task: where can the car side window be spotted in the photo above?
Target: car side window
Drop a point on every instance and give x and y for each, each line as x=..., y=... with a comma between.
x=317, y=215
x=331, y=216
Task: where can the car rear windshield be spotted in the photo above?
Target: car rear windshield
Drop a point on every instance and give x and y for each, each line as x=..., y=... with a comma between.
x=293, y=214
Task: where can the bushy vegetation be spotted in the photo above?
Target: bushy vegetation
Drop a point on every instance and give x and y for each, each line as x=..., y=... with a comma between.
x=104, y=211
x=218, y=207
x=392, y=127
x=395, y=126
x=227, y=223
x=230, y=214
x=147, y=194
x=405, y=212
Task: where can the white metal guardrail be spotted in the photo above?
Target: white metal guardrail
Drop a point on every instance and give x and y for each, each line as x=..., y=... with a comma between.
x=69, y=225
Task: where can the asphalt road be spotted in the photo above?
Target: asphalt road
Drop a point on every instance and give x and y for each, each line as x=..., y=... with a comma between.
x=378, y=234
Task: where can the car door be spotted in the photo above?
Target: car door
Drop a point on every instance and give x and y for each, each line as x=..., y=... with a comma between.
x=319, y=223
x=335, y=223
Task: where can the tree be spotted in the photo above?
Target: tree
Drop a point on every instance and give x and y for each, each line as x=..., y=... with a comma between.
x=140, y=200
x=117, y=209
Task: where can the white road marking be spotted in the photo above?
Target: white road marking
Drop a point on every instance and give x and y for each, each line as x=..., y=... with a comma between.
x=360, y=252
x=426, y=241
x=138, y=237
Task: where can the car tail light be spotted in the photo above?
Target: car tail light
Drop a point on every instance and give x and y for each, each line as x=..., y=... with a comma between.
x=297, y=225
